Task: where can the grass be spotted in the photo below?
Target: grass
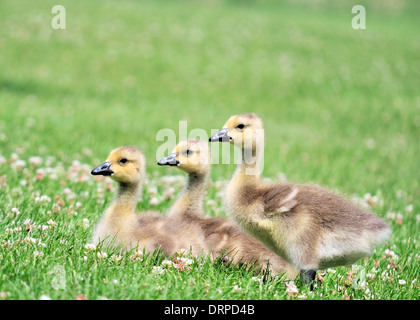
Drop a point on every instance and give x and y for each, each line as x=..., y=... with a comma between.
x=341, y=109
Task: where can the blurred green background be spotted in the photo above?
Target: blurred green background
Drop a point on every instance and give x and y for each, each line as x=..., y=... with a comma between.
x=341, y=106
x=341, y=109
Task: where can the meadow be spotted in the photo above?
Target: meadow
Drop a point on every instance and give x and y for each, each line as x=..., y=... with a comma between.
x=341, y=109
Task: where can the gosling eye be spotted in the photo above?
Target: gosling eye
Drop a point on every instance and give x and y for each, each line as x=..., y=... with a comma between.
x=189, y=152
x=123, y=161
x=240, y=126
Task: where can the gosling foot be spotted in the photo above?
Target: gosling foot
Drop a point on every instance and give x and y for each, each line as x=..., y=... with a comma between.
x=308, y=278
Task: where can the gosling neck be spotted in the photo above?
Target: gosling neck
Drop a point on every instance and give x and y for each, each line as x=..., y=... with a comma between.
x=191, y=199
x=250, y=168
x=126, y=197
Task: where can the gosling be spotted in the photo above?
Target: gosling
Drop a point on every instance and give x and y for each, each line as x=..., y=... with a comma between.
x=121, y=226
x=221, y=236
x=310, y=227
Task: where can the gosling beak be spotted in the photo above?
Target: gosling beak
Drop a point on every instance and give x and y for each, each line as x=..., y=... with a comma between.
x=103, y=170
x=169, y=160
x=221, y=136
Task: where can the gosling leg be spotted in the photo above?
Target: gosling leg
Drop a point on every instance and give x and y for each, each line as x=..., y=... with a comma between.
x=308, y=278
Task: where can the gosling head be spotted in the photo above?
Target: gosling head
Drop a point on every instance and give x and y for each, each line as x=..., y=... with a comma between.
x=244, y=130
x=191, y=156
x=123, y=164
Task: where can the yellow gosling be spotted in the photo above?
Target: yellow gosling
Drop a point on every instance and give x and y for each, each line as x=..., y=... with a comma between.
x=310, y=227
x=220, y=236
x=121, y=225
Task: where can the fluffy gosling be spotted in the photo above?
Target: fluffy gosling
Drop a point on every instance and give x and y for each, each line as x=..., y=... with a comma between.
x=121, y=225
x=221, y=236
x=309, y=226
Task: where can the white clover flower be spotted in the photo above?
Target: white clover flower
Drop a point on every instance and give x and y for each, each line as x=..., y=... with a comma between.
x=35, y=161
x=102, y=255
x=166, y=263
x=402, y=282
x=42, y=198
x=40, y=173
x=158, y=270
x=409, y=208
x=391, y=215
x=154, y=201
x=7, y=243
x=75, y=163
x=236, y=288
x=152, y=191
x=52, y=223
x=18, y=164
x=291, y=288
x=38, y=254
x=53, y=176
x=390, y=253
x=67, y=191
x=90, y=247
x=31, y=240
x=211, y=203
x=169, y=192
x=4, y=295
x=85, y=223
x=45, y=198
x=49, y=161
x=220, y=194
x=181, y=252
x=137, y=256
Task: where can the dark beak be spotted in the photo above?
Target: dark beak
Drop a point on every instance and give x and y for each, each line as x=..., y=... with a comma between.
x=221, y=136
x=103, y=170
x=169, y=160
